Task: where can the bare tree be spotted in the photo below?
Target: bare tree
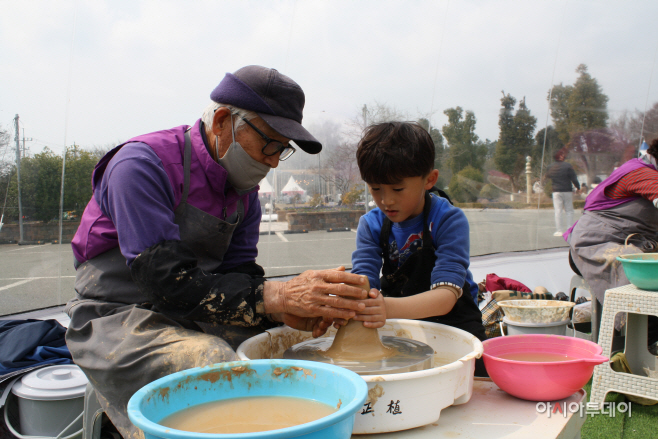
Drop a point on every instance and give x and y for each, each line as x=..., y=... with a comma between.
x=4, y=137
x=650, y=126
x=329, y=133
x=337, y=164
x=637, y=125
x=7, y=167
x=374, y=113
x=99, y=151
x=341, y=169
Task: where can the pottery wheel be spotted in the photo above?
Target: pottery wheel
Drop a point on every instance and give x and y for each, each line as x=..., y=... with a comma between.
x=410, y=355
x=361, y=350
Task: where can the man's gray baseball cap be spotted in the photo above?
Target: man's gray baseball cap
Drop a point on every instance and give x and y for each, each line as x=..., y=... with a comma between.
x=277, y=99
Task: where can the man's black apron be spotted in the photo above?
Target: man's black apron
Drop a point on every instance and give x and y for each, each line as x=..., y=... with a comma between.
x=120, y=342
x=414, y=276
x=600, y=236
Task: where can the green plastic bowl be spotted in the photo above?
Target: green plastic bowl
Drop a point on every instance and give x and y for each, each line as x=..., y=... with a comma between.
x=641, y=269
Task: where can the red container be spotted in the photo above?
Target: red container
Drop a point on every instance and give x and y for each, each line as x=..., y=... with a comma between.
x=541, y=380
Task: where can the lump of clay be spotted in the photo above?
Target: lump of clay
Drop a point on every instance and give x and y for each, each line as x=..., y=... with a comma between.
x=353, y=341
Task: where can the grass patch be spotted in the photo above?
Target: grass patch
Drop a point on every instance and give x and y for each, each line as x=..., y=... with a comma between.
x=643, y=422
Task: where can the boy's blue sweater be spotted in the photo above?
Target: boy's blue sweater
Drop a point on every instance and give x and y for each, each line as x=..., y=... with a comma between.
x=450, y=235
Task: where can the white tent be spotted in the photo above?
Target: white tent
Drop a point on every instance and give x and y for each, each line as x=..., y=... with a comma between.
x=265, y=187
x=292, y=188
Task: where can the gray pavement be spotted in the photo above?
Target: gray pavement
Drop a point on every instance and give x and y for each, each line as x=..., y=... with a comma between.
x=35, y=276
x=505, y=230
x=41, y=276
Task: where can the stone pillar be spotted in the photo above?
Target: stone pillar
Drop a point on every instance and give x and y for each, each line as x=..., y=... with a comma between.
x=527, y=179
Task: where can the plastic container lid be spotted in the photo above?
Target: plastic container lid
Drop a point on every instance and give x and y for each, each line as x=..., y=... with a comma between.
x=535, y=325
x=66, y=381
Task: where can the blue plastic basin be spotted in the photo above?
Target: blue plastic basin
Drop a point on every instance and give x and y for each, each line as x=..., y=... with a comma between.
x=321, y=382
x=641, y=269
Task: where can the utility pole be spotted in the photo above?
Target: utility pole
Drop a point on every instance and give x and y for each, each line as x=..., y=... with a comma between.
x=320, y=180
x=18, y=177
x=29, y=139
x=275, y=188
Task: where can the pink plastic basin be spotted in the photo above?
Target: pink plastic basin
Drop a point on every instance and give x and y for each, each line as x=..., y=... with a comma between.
x=541, y=381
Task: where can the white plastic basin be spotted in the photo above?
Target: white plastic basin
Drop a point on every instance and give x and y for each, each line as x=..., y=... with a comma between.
x=397, y=401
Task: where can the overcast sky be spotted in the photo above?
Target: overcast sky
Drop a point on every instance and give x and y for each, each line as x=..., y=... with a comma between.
x=99, y=72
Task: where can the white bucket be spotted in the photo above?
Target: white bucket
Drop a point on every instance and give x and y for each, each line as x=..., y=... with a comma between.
x=517, y=328
x=50, y=402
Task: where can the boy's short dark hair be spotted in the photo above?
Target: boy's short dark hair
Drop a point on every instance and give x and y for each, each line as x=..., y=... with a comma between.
x=392, y=151
x=653, y=149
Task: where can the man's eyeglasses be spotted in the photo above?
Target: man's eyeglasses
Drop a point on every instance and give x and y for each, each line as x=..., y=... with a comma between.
x=272, y=147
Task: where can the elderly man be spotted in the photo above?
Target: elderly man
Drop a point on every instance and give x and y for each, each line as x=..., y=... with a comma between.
x=167, y=245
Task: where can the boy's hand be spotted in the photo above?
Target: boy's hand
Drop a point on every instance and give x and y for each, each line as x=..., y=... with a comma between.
x=374, y=316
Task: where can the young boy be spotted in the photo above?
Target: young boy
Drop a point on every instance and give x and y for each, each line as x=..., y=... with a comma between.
x=421, y=239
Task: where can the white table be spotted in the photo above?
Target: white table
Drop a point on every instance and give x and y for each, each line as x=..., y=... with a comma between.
x=491, y=413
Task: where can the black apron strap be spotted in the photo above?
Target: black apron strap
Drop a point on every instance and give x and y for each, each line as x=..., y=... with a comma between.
x=441, y=194
x=384, y=236
x=427, y=233
x=414, y=274
x=385, y=233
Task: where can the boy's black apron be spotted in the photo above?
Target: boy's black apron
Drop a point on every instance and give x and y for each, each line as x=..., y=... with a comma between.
x=414, y=277
x=120, y=342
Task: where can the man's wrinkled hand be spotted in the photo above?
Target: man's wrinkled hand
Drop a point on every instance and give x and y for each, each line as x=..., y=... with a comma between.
x=320, y=293
x=317, y=325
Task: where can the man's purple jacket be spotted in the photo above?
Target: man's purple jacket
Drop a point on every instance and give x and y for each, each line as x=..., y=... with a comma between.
x=138, y=186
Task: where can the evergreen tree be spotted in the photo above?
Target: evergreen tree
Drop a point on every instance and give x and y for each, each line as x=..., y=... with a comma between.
x=463, y=146
x=542, y=156
x=579, y=107
x=437, y=139
x=80, y=164
x=515, y=141
x=41, y=183
x=465, y=186
x=580, y=119
x=41, y=177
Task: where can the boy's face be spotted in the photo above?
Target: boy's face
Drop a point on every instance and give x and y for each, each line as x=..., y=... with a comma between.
x=404, y=200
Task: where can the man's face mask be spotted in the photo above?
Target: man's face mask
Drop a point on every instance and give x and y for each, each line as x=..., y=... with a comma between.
x=244, y=172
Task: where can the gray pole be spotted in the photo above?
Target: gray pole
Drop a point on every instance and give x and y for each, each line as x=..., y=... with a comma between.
x=365, y=185
x=18, y=177
x=320, y=180
x=29, y=139
x=61, y=193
